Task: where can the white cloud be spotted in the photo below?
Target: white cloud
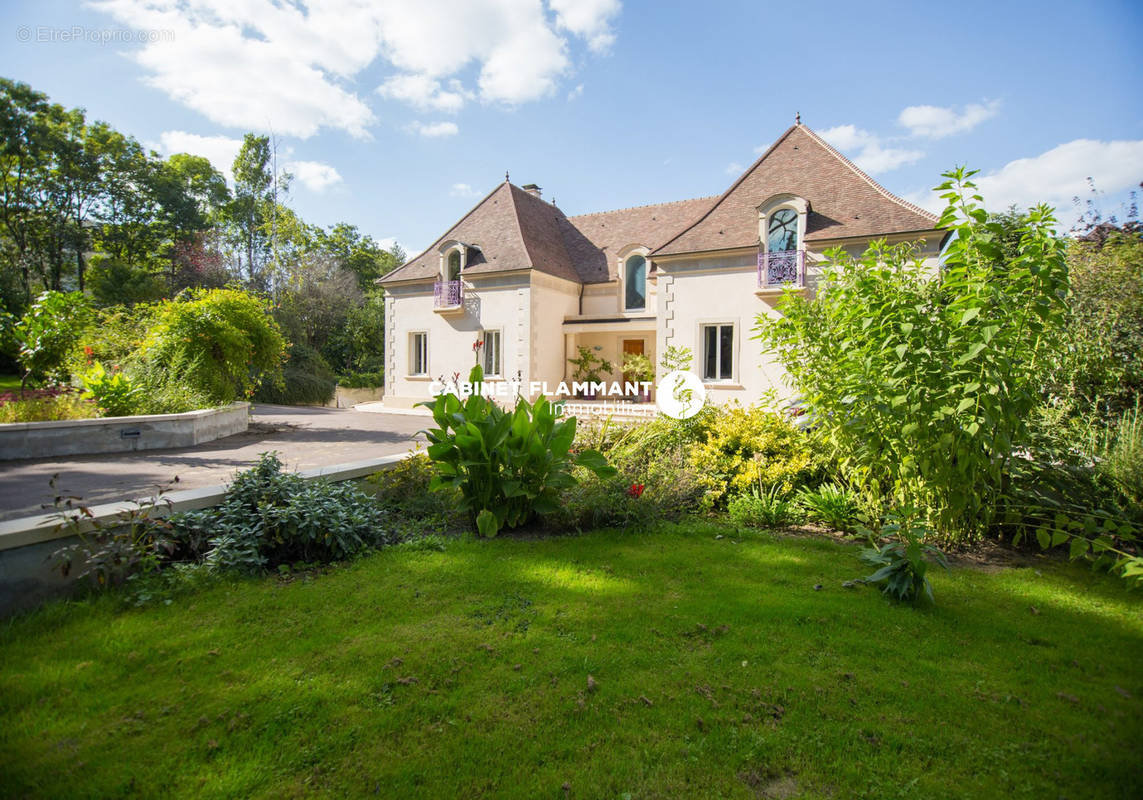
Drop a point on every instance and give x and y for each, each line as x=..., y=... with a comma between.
x=1058, y=175
x=257, y=64
x=868, y=151
x=576, y=92
x=1055, y=177
x=733, y=168
x=219, y=150
x=424, y=93
x=590, y=19
x=434, y=130
x=261, y=64
x=463, y=190
x=937, y=122
x=314, y=175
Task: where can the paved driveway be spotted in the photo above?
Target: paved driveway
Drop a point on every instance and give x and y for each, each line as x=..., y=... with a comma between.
x=304, y=437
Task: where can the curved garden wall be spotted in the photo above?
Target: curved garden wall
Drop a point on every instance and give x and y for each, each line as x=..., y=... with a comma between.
x=121, y=434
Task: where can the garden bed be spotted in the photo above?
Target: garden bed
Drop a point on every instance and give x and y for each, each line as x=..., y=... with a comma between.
x=121, y=434
x=686, y=660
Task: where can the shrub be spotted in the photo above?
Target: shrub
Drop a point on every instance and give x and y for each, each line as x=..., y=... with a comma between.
x=1099, y=371
x=306, y=380
x=403, y=490
x=507, y=465
x=218, y=343
x=742, y=448
x=48, y=333
x=1119, y=459
x=830, y=505
x=270, y=517
x=924, y=382
x=44, y=405
x=764, y=509
x=902, y=559
x=113, y=392
x=362, y=380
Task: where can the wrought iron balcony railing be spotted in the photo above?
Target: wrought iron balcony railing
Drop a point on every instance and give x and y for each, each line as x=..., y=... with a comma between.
x=448, y=294
x=781, y=268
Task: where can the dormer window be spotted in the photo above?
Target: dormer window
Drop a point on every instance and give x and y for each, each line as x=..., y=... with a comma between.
x=782, y=234
x=782, y=228
x=635, y=283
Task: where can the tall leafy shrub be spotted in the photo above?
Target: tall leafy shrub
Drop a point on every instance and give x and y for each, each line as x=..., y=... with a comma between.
x=218, y=343
x=48, y=333
x=924, y=382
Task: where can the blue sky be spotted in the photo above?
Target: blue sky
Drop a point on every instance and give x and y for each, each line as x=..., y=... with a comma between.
x=396, y=116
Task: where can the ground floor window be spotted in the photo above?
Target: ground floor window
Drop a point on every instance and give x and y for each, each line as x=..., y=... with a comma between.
x=718, y=352
x=419, y=353
x=492, y=353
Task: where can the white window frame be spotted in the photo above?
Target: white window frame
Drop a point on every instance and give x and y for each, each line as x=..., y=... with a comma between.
x=702, y=328
x=487, y=350
x=412, y=371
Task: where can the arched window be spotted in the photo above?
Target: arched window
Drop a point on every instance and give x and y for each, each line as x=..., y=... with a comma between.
x=635, y=281
x=782, y=233
x=454, y=265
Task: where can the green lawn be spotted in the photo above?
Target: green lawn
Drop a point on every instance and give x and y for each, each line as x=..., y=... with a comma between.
x=718, y=671
x=8, y=382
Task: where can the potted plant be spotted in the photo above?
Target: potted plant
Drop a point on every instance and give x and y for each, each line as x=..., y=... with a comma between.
x=638, y=368
x=589, y=368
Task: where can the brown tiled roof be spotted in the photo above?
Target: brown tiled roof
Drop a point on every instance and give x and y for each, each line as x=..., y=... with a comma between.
x=514, y=229
x=594, y=239
x=844, y=201
x=517, y=230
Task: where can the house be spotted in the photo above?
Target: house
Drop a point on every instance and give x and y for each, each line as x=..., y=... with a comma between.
x=518, y=286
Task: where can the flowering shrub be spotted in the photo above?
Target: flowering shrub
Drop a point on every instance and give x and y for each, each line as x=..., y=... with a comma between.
x=740, y=449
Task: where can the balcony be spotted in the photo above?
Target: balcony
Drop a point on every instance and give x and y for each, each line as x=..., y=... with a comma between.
x=778, y=270
x=448, y=296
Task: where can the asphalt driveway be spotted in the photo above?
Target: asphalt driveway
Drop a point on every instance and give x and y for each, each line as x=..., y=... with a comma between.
x=304, y=437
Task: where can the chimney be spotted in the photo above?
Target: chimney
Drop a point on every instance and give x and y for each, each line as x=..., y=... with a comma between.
x=531, y=189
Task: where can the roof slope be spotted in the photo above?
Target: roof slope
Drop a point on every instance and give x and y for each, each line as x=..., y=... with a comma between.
x=595, y=239
x=514, y=229
x=844, y=201
x=511, y=228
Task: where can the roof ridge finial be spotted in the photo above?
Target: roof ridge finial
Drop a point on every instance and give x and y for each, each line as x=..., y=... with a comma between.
x=506, y=176
x=797, y=117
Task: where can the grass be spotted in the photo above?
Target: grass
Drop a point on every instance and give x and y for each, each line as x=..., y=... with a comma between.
x=9, y=382
x=718, y=670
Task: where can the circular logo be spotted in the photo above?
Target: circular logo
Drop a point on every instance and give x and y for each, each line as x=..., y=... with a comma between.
x=680, y=395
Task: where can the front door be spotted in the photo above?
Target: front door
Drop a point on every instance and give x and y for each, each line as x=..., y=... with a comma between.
x=631, y=346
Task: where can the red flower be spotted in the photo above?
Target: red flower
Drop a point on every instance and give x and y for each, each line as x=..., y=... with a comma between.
x=636, y=490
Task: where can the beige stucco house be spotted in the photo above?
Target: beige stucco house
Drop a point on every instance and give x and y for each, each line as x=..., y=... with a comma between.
x=520, y=287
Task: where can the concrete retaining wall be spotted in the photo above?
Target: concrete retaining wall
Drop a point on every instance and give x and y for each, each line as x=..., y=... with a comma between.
x=26, y=545
x=121, y=434
x=347, y=398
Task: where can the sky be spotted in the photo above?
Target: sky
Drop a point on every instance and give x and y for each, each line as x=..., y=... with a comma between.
x=398, y=116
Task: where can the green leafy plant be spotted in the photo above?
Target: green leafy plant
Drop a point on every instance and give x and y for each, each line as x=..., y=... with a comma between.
x=109, y=553
x=270, y=517
x=48, y=333
x=113, y=392
x=902, y=559
x=831, y=505
x=923, y=380
x=676, y=359
x=764, y=509
x=508, y=465
x=637, y=367
x=588, y=366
